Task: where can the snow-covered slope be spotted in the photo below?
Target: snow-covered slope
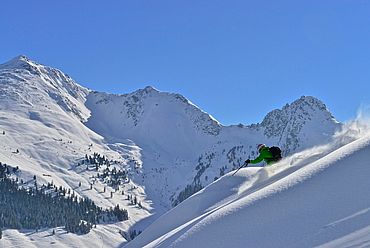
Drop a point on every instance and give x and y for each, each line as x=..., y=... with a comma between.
x=42, y=111
x=316, y=197
x=27, y=84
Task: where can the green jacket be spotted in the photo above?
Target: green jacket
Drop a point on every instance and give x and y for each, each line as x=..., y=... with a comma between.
x=265, y=155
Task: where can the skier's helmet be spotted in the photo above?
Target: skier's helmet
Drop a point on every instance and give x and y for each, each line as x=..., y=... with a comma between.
x=260, y=146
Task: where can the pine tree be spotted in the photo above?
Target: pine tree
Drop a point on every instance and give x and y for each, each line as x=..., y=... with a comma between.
x=133, y=234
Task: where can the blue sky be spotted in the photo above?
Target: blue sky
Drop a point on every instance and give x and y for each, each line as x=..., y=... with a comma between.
x=237, y=60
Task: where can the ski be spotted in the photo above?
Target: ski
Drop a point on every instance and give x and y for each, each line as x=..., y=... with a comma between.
x=245, y=164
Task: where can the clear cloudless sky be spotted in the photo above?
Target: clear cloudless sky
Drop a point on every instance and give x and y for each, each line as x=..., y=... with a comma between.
x=235, y=59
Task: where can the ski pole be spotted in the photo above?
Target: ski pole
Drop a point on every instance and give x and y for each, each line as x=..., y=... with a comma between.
x=245, y=164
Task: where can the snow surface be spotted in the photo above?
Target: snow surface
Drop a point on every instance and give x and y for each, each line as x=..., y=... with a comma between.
x=295, y=203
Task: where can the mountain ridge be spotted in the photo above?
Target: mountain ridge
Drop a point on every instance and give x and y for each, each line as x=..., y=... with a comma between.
x=169, y=128
x=24, y=62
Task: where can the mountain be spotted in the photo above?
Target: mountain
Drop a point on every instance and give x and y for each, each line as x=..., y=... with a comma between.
x=169, y=147
x=184, y=148
x=42, y=131
x=28, y=84
x=315, y=198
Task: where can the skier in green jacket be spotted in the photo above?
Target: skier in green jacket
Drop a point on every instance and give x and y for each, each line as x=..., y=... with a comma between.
x=264, y=155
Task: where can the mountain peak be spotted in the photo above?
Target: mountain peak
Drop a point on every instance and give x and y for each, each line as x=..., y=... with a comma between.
x=150, y=88
x=306, y=105
x=28, y=78
x=21, y=57
x=288, y=122
x=19, y=62
x=310, y=100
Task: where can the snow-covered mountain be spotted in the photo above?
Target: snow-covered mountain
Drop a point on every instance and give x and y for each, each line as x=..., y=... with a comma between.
x=314, y=198
x=28, y=84
x=170, y=146
x=42, y=131
x=185, y=149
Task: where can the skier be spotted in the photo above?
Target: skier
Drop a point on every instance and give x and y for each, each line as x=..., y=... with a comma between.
x=269, y=154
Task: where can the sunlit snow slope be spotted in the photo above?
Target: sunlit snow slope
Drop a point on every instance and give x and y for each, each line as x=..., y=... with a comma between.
x=317, y=197
x=42, y=111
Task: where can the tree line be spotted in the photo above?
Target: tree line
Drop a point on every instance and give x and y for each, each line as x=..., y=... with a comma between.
x=48, y=206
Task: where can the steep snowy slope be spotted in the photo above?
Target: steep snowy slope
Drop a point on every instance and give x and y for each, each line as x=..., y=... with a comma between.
x=316, y=197
x=27, y=84
x=170, y=130
x=41, y=130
